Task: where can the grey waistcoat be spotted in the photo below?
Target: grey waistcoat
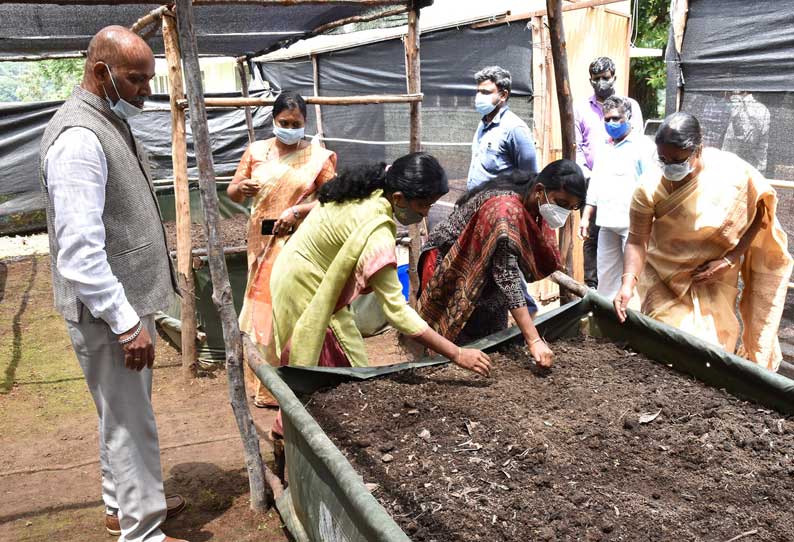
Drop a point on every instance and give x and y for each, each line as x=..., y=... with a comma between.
x=134, y=235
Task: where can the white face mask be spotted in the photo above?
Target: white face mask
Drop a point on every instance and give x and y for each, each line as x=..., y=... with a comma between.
x=676, y=172
x=483, y=103
x=554, y=215
x=122, y=108
x=288, y=136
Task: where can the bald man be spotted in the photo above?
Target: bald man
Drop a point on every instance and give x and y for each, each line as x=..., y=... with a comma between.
x=111, y=271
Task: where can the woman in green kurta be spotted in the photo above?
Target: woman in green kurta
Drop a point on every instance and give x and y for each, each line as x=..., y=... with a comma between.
x=346, y=247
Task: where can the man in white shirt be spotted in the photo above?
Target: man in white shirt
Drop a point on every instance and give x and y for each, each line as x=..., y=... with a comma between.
x=627, y=156
x=111, y=271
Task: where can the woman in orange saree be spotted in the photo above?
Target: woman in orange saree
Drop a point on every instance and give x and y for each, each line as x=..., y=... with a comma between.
x=708, y=219
x=281, y=175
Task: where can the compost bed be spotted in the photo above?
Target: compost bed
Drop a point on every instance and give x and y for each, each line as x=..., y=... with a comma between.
x=234, y=232
x=568, y=454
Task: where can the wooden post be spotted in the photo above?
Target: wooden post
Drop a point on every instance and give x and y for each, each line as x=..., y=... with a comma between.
x=182, y=195
x=560, y=56
x=261, y=496
x=249, y=118
x=318, y=112
x=414, y=84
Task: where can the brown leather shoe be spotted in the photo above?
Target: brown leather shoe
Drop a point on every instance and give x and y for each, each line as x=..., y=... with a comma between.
x=174, y=505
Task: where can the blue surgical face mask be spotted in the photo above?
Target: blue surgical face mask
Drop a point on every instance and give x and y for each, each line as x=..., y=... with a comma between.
x=122, y=108
x=617, y=130
x=288, y=136
x=484, y=104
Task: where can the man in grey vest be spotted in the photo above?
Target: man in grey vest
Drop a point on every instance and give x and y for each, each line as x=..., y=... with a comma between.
x=111, y=271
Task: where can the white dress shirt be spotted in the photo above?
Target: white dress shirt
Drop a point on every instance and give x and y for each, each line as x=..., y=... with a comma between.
x=77, y=173
x=616, y=173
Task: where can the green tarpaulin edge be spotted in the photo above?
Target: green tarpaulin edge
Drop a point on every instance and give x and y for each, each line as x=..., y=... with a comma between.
x=690, y=355
x=328, y=501
x=329, y=498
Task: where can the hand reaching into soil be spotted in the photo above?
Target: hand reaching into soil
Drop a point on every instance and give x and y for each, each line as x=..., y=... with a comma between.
x=543, y=355
x=474, y=360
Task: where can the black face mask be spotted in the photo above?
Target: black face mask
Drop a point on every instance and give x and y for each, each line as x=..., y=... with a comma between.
x=603, y=88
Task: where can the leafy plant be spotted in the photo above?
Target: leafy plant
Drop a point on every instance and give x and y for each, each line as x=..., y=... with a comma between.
x=41, y=80
x=647, y=76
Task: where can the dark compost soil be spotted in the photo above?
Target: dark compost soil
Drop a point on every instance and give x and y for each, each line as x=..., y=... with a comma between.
x=234, y=231
x=567, y=455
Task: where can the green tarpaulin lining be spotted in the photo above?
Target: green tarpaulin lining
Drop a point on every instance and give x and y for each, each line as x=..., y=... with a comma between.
x=328, y=500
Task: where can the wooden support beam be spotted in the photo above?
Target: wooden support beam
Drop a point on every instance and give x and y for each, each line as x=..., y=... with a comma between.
x=249, y=117
x=261, y=495
x=150, y=18
x=36, y=58
x=359, y=19
x=176, y=92
x=316, y=100
x=565, y=101
x=274, y=479
x=414, y=86
x=511, y=18
x=318, y=111
x=569, y=284
x=224, y=2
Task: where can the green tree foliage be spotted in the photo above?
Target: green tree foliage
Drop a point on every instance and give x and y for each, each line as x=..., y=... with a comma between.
x=39, y=81
x=647, y=77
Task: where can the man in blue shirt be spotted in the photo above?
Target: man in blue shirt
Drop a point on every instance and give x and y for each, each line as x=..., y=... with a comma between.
x=503, y=141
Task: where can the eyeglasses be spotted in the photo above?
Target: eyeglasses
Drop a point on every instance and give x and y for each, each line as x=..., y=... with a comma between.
x=664, y=162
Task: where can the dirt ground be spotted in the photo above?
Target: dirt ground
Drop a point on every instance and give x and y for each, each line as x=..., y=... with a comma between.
x=49, y=472
x=234, y=232
x=606, y=446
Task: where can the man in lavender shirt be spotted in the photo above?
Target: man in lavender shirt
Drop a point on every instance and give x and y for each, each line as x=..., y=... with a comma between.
x=591, y=135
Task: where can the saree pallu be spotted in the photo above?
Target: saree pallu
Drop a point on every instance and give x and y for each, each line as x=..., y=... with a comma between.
x=286, y=181
x=456, y=281
x=701, y=222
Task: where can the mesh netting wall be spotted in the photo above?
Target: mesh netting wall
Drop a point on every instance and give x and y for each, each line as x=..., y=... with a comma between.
x=758, y=127
x=449, y=59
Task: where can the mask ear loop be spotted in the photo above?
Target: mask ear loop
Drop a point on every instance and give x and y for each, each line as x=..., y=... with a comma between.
x=112, y=82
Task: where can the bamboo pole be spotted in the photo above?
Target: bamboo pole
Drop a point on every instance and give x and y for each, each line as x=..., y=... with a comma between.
x=366, y=3
x=182, y=196
x=150, y=18
x=414, y=86
x=511, y=18
x=261, y=496
x=318, y=111
x=564, y=100
x=359, y=19
x=36, y=58
x=249, y=117
x=321, y=100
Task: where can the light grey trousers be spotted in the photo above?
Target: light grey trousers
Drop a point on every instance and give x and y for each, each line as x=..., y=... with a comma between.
x=129, y=451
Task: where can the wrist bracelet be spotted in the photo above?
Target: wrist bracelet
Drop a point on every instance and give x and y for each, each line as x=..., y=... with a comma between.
x=636, y=278
x=730, y=263
x=535, y=341
x=295, y=212
x=134, y=334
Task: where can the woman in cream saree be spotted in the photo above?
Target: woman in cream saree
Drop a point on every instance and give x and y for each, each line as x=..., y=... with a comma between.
x=709, y=219
x=284, y=175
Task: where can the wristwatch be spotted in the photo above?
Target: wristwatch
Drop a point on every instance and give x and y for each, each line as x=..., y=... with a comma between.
x=295, y=213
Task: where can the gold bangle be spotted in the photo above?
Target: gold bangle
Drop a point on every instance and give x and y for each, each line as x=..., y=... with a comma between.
x=730, y=263
x=636, y=278
x=457, y=358
x=533, y=341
